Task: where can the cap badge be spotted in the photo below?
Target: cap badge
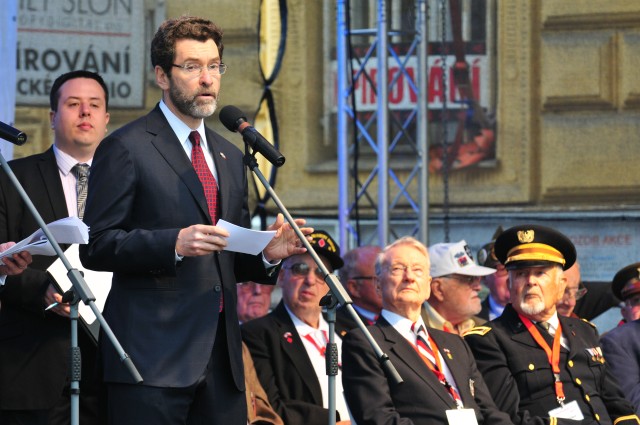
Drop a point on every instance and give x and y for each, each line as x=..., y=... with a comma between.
x=462, y=258
x=526, y=236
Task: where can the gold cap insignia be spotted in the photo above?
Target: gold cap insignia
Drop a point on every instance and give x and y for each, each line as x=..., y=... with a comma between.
x=526, y=236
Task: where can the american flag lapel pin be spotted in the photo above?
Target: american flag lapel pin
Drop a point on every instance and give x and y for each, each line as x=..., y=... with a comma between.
x=288, y=337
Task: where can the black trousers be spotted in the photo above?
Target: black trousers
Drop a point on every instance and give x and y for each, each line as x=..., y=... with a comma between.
x=212, y=400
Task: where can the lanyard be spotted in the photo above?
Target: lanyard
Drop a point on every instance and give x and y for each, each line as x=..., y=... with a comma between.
x=312, y=340
x=553, y=354
x=322, y=349
x=437, y=370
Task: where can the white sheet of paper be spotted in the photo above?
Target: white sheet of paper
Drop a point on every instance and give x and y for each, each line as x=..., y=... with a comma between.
x=245, y=240
x=568, y=411
x=98, y=282
x=461, y=417
x=68, y=230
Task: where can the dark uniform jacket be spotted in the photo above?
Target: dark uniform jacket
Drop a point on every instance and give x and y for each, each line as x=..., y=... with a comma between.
x=517, y=372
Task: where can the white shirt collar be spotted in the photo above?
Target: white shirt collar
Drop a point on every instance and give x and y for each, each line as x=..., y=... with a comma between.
x=182, y=130
x=65, y=161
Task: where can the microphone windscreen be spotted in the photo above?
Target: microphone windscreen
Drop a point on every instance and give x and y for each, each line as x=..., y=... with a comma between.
x=231, y=117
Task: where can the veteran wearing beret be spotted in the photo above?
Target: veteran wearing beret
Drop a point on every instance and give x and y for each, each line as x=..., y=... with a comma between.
x=621, y=346
x=542, y=368
x=288, y=344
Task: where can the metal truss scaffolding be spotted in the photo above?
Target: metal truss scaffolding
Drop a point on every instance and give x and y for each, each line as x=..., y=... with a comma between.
x=388, y=188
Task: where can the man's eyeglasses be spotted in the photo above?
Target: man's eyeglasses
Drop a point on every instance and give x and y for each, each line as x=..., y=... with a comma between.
x=193, y=69
x=576, y=293
x=303, y=269
x=401, y=269
x=469, y=280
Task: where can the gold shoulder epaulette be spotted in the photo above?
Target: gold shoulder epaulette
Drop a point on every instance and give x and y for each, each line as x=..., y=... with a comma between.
x=586, y=321
x=478, y=330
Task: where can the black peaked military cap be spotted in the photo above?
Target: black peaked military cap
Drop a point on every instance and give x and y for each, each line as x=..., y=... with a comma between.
x=531, y=245
x=626, y=282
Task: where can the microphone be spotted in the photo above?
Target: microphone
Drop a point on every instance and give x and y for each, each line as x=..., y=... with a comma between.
x=12, y=135
x=235, y=120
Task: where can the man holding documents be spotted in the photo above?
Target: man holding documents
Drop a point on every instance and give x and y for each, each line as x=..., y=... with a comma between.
x=157, y=189
x=34, y=344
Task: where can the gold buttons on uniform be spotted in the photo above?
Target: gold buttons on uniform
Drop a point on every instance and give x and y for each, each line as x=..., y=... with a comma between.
x=597, y=417
x=570, y=363
x=531, y=366
x=578, y=381
x=586, y=397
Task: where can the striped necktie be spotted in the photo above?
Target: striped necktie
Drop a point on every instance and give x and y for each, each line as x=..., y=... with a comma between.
x=429, y=357
x=81, y=171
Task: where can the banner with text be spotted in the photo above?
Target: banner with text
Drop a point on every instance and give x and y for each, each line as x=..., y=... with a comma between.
x=104, y=36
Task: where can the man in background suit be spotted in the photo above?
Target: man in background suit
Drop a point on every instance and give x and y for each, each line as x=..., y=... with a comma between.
x=157, y=188
x=621, y=345
x=359, y=279
x=34, y=344
x=433, y=387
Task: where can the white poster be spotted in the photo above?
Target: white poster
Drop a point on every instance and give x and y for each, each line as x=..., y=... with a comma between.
x=103, y=36
x=8, y=40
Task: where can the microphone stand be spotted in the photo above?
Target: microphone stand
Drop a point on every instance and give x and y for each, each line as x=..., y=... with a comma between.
x=81, y=292
x=337, y=295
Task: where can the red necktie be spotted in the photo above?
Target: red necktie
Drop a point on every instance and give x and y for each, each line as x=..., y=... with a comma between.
x=209, y=183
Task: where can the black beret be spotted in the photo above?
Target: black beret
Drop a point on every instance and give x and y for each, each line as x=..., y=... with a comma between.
x=626, y=282
x=323, y=244
x=530, y=245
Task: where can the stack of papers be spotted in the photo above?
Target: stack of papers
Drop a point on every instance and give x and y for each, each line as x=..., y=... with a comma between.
x=67, y=230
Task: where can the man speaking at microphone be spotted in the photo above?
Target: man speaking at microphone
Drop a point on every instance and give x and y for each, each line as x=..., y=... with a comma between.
x=157, y=189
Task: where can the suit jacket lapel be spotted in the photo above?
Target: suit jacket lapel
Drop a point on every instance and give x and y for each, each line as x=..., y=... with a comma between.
x=405, y=353
x=291, y=344
x=167, y=143
x=48, y=168
x=457, y=369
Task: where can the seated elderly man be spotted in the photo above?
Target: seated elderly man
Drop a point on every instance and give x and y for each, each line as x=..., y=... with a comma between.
x=288, y=344
x=621, y=346
x=541, y=367
x=441, y=385
x=454, y=301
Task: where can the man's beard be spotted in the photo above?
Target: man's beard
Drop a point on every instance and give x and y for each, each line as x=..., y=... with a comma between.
x=188, y=106
x=532, y=309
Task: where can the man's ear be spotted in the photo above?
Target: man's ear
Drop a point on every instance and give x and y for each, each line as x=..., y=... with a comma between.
x=162, y=79
x=436, y=289
x=353, y=288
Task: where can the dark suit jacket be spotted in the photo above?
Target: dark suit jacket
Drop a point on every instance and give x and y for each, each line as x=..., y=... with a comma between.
x=142, y=191
x=518, y=373
x=34, y=345
x=621, y=348
x=284, y=368
x=421, y=398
